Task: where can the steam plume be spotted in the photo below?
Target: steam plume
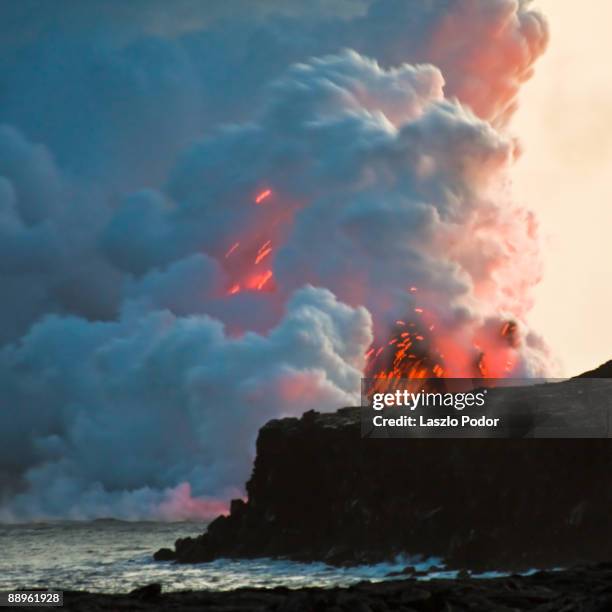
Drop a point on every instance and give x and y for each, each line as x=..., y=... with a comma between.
x=206, y=226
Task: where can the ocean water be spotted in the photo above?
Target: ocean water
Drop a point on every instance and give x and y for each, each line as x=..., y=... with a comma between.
x=116, y=556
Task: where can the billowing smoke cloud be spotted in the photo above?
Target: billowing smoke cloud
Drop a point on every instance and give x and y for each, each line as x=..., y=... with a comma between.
x=137, y=406
x=222, y=219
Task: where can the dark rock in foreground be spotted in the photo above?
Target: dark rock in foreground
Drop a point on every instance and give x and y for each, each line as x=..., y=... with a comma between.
x=320, y=492
x=587, y=589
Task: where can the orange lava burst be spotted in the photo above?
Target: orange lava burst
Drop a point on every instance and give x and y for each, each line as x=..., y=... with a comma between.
x=263, y=252
x=258, y=281
x=416, y=350
x=232, y=249
x=408, y=354
x=263, y=196
x=247, y=269
x=401, y=358
x=266, y=277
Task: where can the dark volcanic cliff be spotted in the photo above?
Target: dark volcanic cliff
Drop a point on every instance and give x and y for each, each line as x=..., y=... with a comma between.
x=320, y=492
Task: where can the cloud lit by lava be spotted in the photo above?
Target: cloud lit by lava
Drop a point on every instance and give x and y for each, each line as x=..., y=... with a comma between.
x=200, y=232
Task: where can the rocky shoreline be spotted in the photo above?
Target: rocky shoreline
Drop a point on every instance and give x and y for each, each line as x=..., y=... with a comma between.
x=585, y=589
x=319, y=492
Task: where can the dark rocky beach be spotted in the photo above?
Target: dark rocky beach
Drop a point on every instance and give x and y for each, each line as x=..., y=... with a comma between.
x=582, y=589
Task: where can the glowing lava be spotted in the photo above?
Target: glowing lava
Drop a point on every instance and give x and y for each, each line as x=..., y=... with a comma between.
x=263, y=252
x=259, y=281
x=423, y=349
x=232, y=249
x=263, y=196
x=245, y=259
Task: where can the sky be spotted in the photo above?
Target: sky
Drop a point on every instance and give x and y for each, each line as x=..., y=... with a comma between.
x=563, y=123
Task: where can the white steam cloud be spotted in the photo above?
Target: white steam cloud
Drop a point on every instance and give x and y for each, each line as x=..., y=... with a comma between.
x=154, y=315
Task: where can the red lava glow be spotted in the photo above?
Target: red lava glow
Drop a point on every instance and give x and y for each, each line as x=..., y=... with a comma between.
x=263, y=252
x=246, y=258
x=263, y=196
x=418, y=347
x=232, y=249
x=257, y=282
x=428, y=351
x=267, y=275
